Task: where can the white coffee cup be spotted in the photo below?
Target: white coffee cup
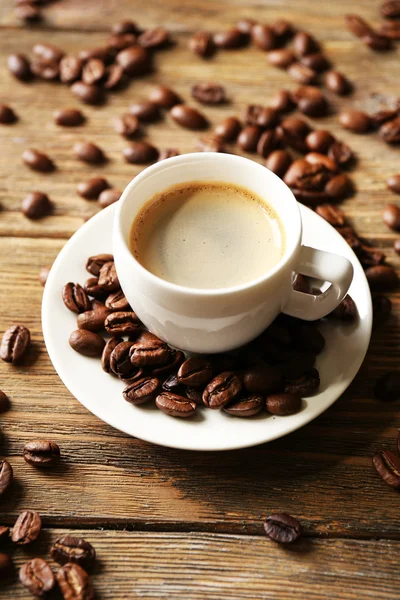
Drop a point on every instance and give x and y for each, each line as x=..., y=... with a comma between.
x=217, y=320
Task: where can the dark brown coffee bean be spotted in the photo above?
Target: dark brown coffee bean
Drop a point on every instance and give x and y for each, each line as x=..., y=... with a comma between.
x=92, y=288
x=121, y=365
x=319, y=141
x=28, y=11
x=122, y=323
x=337, y=82
x=19, y=66
x=171, y=384
x=316, y=61
x=390, y=131
x=381, y=278
x=89, y=94
x=149, y=352
x=346, y=310
x=26, y=528
x=70, y=68
x=71, y=549
x=221, y=390
x=294, y=132
x=36, y=205
x=391, y=216
x=305, y=176
x=228, y=129
x=387, y=387
x=175, y=405
x=37, y=576
x=120, y=41
x=195, y=371
x=176, y=358
x=249, y=138
x=142, y=390
x=48, y=51
x=114, y=78
x=37, y=161
x=390, y=9
x=341, y=153
x=125, y=26
x=210, y=143
x=268, y=142
x=45, y=69
x=305, y=385
x=202, y=43
x=7, y=115
x=15, y=342
x=69, y=117
x=95, y=263
x=390, y=29
x=278, y=162
x=107, y=351
x=74, y=583
x=355, y=120
x=89, y=153
x=245, y=407
x=209, y=93
x=167, y=153
x=262, y=116
x=41, y=453
x=377, y=42
x=145, y=111
x=282, y=101
x=140, y=153
x=134, y=61
x=92, y=188
x=381, y=116
x=301, y=73
x=108, y=278
x=163, y=97
x=387, y=465
x=283, y=404
x=396, y=246
x=263, y=379
x=393, y=183
x=310, y=101
x=86, y=342
x=230, y=39
x=304, y=43
x=117, y=302
x=4, y=535
x=6, y=476
x=194, y=394
x=108, y=197
x=331, y=213
x=382, y=308
x=93, y=320
x=369, y=256
x=188, y=117
x=4, y=402
x=154, y=38
x=315, y=158
x=75, y=298
x=263, y=37
x=281, y=58
x=282, y=528
x=298, y=365
x=93, y=72
x=308, y=338
x=245, y=25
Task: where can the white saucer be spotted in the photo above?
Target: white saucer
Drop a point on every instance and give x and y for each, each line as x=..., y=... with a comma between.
x=100, y=393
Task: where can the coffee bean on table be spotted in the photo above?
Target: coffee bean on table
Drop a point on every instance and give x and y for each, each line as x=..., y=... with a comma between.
x=121, y=365
x=108, y=278
x=163, y=97
x=4, y=534
x=87, y=343
x=263, y=116
x=331, y=213
x=19, y=66
x=282, y=58
x=210, y=143
x=92, y=288
x=41, y=453
x=245, y=25
x=121, y=41
x=336, y=82
x=282, y=101
x=294, y=132
x=202, y=43
x=134, y=61
x=230, y=39
x=93, y=71
x=209, y=93
x=167, y=153
x=6, y=566
x=37, y=161
x=26, y=528
x=69, y=117
x=75, y=298
x=92, y=188
x=390, y=9
x=37, y=576
x=387, y=465
x=381, y=277
x=48, y=51
x=70, y=68
x=195, y=371
x=339, y=187
x=228, y=129
x=249, y=137
x=341, y=153
x=278, y=162
x=263, y=37
x=355, y=120
x=74, y=583
x=15, y=342
x=142, y=390
x=115, y=77
x=145, y=111
x=245, y=407
x=188, y=117
x=122, y=323
x=222, y=390
x=4, y=402
x=72, y=549
x=43, y=275
x=390, y=29
x=310, y=101
x=391, y=216
x=7, y=115
x=140, y=153
x=6, y=476
x=282, y=528
x=301, y=73
x=89, y=153
x=387, y=387
x=319, y=141
x=127, y=125
x=283, y=404
x=390, y=131
x=94, y=263
x=36, y=205
x=268, y=142
x=107, y=351
x=262, y=379
x=175, y=405
x=102, y=52
x=108, y=197
x=89, y=94
x=316, y=61
x=154, y=38
x=125, y=26
x=305, y=385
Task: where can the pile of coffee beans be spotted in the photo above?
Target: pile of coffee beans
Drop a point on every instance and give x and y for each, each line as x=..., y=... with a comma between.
x=382, y=37
x=386, y=121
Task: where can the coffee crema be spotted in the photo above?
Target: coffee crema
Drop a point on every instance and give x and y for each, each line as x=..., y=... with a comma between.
x=207, y=235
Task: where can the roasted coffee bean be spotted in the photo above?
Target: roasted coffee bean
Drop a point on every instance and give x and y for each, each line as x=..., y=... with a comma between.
x=89, y=94
x=393, y=183
x=37, y=576
x=245, y=407
x=163, y=97
x=195, y=371
x=282, y=101
x=175, y=405
x=37, y=161
x=278, y=162
x=93, y=320
x=92, y=188
x=145, y=111
x=154, y=38
x=6, y=566
x=28, y=11
x=346, y=310
x=92, y=288
x=315, y=158
x=390, y=131
x=282, y=29
x=88, y=153
x=282, y=528
x=209, y=93
x=381, y=116
x=171, y=384
x=331, y=213
x=117, y=302
x=188, y=117
x=202, y=43
x=279, y=333
x=390, y=29
x=230, y=39
x=74, y=583
x=75, y=298
x=4, y=402
x=108, y=278
x=304, y=43
x=26, y=528
x=122, y=323
x=176, y=358
x=87, y=343
x=301, y=73
x=341, y=153
x=390, y=9
x=142, y=390
x=377, y=42
x=221, y=390
x=71, y=549
x=107, y=351
x=245, y=25
x=125, y=26
x=305, y=385
x=249, y=137
x=70, y=68
x=48, y=51
x=263, y=37
x=358, y=26
x=303, y=175
x=93, y=71
x=319, y=141
x=391, y=216
x=15, y=342
x=382, y=308
x=114, y=78
x=298, y=365
x=316, y=61
x=387, y=387
x=69, y=117
x=262, y=379
x=268, y=142
x=283, y=404
x=307, y=337
x=262, y=116
x=19, y=66
x=121, y=41
x=6, y=476
x=228, y=129
x=387, y=465
x=7, y=115
x=194, y=394
x=282, y=58
x=4, y=534
x=339, y=187
x=336, y=82
x=355, y=120
x=310, y=101
x=101, y=52
x=293, y=132
x=149, y=352
x=95, y=263
x=381, y=278
x=120, y=364
x=108, y=197
x=210, y=143
x=41, y=453
x=140, y=153
x=134, y=61
x=36, y=205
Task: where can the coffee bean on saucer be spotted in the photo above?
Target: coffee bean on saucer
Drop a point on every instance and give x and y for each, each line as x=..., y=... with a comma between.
x=37, y=161
x=116, y=301
x=92, y=188
x=95, y=263
x=230, y=39
x=6, y=565
x=72, y=549
x=140, y=153
x=202, y=43
x=167, y=153
x=146, y=353
x=127, y=125
x=122, y=323
x=387, y=387
x=281, y=58
x=305, y=385
x=108, y=197
x=121, y=365
x=209, y=93
x=194, y=394
x=228, y=129
x=387, y=465
x=6, y=476
x=108, y=278
x=37, y=577
x=282, y=528
x=92, y=288
x=283, y=404
x=142, y=390
x=74, y=583
x=249, y=137
x=245, y=407
x=263, y=37
x=41, y=453
x=15, y=342
x=134, y=61
x=391, y=216
x=19, y=66
x=175, y=405
x=337, y=82
x=381, y=277
x=75, y=298
x=222, y=390
x=145, y=111
x=7, y=115
x=282, y=101
x=26, y=528
x=163, y=97
x=263, y=379
x=355, y=120
x=393, y=183
x=262, y=116
x=89, y=94
x=331, y=213
x=89, y=153
x=195, y=371
x=4, y=402
x=176, y=358
x=188, y=117
x=107, y=351
x=70, y=68
x=69, y=117
x=154, y=38
x=36, y=205
x=86, y=342
x=316, y=61
x=278, y=162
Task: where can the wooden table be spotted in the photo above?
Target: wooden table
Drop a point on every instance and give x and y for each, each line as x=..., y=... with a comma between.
x=166, y=523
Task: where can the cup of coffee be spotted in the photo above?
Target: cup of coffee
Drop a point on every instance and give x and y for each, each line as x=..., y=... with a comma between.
x=206, y=246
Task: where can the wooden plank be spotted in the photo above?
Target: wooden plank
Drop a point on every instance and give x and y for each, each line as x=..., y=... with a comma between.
x=214, y=567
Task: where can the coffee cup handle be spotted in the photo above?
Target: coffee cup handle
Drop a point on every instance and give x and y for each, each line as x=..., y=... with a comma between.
x=338, y=270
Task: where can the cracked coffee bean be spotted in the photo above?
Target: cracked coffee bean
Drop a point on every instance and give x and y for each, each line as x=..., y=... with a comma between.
x=94, y=263
x=202, y=44
x=6, y=476
x=387, y=387
x=122, y=323
x=36, y=205
x=26, y=528
x=195, y=371
x=108, y=278
x=75, y=298
x=222, y=390
x=41, y=453
x=142, y=390
x=15, y=342
x=387, y=465
x=87, y=343
x=37, y=161
x=37, y=576
x=71, y=549
x=74, y=583
x=245, y=407
x=175, y=405
x=283, y=404
x=282, y=528
x=262, y=379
